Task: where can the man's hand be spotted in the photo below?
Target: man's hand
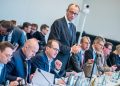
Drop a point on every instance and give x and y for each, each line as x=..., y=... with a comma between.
x=114, y=67
x=19, y=78
x=58, y=64
x=73, y=72
x=75, y=49
x=13, y=83
x=90, y=61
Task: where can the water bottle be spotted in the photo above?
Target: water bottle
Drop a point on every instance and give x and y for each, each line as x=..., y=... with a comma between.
x=77, y=83
x=70, y=81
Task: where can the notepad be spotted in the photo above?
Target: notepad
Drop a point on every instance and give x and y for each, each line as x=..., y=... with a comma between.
x=39, y=78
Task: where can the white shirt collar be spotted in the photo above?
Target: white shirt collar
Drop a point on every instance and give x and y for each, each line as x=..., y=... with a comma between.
x=67, y=20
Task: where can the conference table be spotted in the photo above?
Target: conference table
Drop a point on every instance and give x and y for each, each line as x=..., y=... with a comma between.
x=79, y=80
x=103, y=80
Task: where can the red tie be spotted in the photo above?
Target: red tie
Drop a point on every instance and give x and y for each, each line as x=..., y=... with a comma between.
x=82, y=59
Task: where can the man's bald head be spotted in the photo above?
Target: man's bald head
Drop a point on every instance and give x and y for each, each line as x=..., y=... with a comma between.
x=30, y=48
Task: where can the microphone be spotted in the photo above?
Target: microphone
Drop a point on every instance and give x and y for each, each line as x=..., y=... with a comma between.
x=50, y=84
x=95, y=61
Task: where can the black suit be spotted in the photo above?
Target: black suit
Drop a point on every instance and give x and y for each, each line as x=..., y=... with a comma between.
x=75, y=62
x=60, y=32
x=39, y=36
x=3, y=75
x=88, y=55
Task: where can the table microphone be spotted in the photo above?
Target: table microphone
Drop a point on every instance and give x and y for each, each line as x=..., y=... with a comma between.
x=50, y=84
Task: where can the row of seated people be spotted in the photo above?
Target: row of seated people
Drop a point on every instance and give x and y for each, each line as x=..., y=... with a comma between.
x=22, y=65
x=17, y=35
x=98, y=54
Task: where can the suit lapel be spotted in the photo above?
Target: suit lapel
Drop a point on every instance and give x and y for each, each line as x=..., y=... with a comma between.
x=67, y=33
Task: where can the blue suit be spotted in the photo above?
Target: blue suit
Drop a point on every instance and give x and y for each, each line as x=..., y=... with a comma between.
x=60, y=32
x=41, y=61
x=17, y=37
x=17, y=67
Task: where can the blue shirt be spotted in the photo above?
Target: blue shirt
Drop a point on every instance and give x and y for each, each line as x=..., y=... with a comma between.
x=1, y=67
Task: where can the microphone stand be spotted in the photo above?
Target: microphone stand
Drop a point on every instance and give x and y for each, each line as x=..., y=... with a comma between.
x=95, y=61
x=45, y=78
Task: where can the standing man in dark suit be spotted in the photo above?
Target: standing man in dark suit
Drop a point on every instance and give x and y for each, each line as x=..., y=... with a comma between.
x=6, y=51
x=64, y=31
x=20, y=65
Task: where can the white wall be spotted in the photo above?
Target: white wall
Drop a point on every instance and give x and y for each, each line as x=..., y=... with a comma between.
x=103, y=19
x=38, y=11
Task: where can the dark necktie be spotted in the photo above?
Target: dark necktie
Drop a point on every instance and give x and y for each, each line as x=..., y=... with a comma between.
x=70, y=28
x=27, y=71
x=6, y=38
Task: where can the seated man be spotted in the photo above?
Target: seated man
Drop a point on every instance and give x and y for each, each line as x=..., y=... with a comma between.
x=44, y=59
x=20, y=65
x=41, y=36
x=10, y=33
x=95, y=59
x=77, y=60
x=6, y=51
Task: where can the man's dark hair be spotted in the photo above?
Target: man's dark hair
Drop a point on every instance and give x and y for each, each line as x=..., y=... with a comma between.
x=107, y=44
x=26, y=24
x=35, y=25
x=43, y=26
x=7, y=25
x=13, y=22
x=49, y=43
x=4, y=45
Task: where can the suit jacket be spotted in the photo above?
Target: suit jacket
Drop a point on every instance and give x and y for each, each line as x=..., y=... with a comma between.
x=2, y=76
x=76, y=62
x=41, y=61
x=114, y=59
x=102, y=65
x=88, y=54
x=88, y=67
x=39, y=36
x=111, y=59
x=99, y=60
x=17, y=37
x=17, y=67
x=60, y=32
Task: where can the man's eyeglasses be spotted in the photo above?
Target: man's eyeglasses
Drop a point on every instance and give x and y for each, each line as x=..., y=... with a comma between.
x=55, y=49
x=71, y=12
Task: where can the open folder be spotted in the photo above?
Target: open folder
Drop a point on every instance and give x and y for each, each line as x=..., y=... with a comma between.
x=42, y=78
